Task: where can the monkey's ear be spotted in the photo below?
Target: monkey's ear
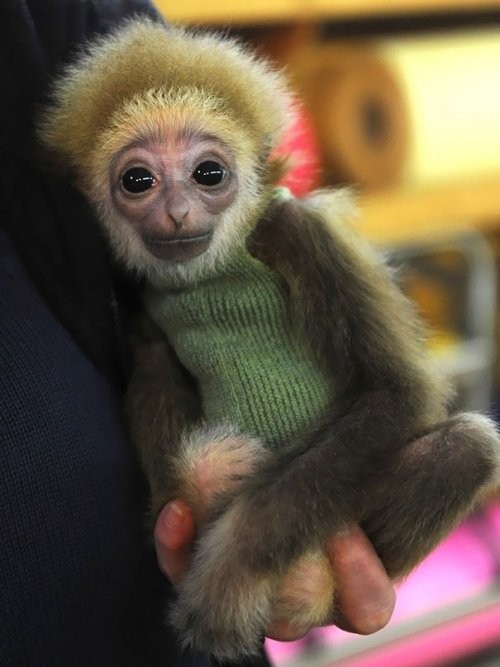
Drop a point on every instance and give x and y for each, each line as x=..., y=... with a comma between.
x=277, y=168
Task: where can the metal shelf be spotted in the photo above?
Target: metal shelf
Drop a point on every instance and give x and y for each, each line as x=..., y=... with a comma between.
x=484, y=609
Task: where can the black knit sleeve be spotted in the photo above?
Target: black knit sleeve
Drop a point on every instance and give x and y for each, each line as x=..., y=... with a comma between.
x=35, y=39
x=62, y=25
x=54, y=231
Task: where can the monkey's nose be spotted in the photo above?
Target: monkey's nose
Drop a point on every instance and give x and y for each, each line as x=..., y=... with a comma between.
x=177, y=210
x=177, y=221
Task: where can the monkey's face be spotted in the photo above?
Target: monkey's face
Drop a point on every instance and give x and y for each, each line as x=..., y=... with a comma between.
x=173, y=192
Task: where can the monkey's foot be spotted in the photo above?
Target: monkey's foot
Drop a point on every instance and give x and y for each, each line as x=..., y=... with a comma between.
x=211, y=465
x=223, y=608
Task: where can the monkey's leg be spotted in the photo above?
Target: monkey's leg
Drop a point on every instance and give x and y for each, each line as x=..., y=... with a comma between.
x=215, y=463
x=293, y=505
x=299, y=498
x=429, y=487
x=224, y=606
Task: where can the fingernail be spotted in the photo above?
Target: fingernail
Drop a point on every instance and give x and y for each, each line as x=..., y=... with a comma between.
x=173, y=515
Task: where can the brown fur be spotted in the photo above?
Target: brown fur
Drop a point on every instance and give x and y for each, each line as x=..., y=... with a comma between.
x=334, y=276
x=387, y=455
x=161, y=403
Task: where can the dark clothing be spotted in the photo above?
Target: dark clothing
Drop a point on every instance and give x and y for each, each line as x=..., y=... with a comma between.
x=79, y=585
x=54, y=231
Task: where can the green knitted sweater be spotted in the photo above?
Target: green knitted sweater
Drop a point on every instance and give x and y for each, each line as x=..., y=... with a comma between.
x=232, y=331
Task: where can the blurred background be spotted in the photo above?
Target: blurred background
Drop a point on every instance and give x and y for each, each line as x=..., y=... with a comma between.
x=400, y=99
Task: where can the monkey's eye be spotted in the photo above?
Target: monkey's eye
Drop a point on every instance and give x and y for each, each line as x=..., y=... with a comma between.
x=209, y=173
x=137, y=179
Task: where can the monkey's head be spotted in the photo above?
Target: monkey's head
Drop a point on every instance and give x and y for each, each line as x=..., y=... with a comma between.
x=169, y=134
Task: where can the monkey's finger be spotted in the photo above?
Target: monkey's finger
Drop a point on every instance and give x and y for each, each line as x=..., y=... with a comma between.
x=365, y=595
x=303, y=599
x=174, y=534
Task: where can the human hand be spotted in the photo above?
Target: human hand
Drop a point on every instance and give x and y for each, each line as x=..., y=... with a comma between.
x=365, y=597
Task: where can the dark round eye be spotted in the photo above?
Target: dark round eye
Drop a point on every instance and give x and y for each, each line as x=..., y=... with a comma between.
x=209, y=173
x=137, y=179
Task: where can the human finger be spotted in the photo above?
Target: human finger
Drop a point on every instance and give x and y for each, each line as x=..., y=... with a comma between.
x=174, y=534
x=365, y=597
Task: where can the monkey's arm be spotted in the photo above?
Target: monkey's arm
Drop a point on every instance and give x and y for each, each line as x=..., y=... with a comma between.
x=345, y=305
x=410, y=472
x=161, y=402
x=181, y=458
x=386, y=396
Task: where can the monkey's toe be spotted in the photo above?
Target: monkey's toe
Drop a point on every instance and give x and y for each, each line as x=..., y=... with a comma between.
x=219, y=637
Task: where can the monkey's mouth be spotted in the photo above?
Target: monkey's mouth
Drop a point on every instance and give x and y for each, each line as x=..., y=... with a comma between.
x=178, y=248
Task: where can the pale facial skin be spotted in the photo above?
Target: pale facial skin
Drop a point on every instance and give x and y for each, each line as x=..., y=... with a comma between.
x=173, y=192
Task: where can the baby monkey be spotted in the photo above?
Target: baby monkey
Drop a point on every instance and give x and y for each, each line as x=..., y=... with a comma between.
x=282, y=387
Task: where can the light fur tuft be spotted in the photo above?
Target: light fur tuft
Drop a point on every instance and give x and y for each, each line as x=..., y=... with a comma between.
x=144, y=69
x=481, y=432
x=223, y=608
x=306, y=594
x=211, y=463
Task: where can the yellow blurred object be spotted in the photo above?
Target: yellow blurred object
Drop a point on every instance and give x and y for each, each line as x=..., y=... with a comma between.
x=358, y=111
x=438, y=305
x=444, y=343
x=451, y=90
x=261, y=11
x=423, y=110
x=435, y=303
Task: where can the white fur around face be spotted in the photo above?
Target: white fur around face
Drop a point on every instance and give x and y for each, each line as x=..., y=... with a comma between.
x=234, y=225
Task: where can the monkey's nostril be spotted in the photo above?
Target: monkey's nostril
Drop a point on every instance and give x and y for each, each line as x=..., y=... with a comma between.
x=177, y=221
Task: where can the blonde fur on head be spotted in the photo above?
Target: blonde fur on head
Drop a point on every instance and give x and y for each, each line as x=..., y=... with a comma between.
x=142, y=62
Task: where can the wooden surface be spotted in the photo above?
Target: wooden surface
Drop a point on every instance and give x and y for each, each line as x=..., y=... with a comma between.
x=224, y=12
x=354, y=8
x=414, y=213
x=262, y=11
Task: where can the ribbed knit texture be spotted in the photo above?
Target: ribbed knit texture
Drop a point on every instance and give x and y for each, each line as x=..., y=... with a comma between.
x=78, y=581
x=233, y=333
